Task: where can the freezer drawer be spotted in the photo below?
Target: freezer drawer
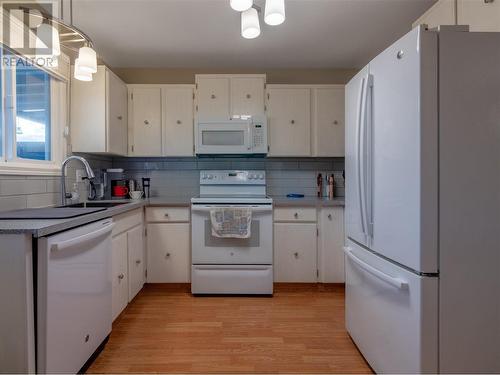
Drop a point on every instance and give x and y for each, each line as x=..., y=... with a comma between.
x=391, y=313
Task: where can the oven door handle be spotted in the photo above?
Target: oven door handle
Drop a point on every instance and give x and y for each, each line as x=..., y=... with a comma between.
x=263, y=208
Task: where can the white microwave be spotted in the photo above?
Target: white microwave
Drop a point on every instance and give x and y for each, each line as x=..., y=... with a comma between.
x=232, y=137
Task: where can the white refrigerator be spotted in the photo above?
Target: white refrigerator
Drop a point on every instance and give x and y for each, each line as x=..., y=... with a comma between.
x=423, y=204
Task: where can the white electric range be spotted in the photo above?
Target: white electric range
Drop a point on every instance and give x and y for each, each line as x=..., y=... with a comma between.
x=232, y=265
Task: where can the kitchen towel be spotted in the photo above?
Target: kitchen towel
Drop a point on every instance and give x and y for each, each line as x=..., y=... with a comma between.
x=231, y=222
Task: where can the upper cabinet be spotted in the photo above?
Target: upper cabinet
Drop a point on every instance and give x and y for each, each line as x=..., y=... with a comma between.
x=145, y=125
x=480, y=15
x=289, y=120
x=247, y=96
x=178, y=104
x=99, y=114
x=161, y=120
x=328, y=121
x=212, y=97
x=222, y=96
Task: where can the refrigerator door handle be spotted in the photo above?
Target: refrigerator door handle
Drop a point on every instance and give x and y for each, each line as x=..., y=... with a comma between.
x=363, y=156
x=369, y=155
x=359, y=153
x=394, y=281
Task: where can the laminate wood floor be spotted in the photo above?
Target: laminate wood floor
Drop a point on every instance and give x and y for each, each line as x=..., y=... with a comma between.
x=167, y=330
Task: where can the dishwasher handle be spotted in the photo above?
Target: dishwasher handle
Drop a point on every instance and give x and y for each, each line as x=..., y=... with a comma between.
x=394, y=281
x=63, y=245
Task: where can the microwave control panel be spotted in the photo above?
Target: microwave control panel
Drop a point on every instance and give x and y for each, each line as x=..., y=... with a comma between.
x=259, y=135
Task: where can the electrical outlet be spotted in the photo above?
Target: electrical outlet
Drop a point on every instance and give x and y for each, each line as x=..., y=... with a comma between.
x=80, y=173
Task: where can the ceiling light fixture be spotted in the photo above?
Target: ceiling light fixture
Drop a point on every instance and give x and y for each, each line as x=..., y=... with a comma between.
x=87, y=59
x=241, y=5
x=81, y=74
x=274, y=14
x=250, y=26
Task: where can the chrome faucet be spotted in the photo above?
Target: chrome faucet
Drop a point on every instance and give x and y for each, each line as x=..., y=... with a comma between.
x=88, y=170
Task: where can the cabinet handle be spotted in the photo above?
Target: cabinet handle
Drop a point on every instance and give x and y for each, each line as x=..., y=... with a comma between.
x=212, y=96
x=121, y=276
x=179, y=122
x=296, y=255
x=146, y=122
x=249, y=96
x=329, y=216
x=296, y=215
x=166, y=214
x=335, y=122
x=138, y=261
x=120, y=117
x=292, y=122
x=167, y=255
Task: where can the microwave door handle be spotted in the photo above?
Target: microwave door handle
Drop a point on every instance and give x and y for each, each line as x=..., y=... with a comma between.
x=249, y=137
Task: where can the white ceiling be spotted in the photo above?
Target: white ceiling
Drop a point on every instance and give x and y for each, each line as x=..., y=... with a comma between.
x=206, y=33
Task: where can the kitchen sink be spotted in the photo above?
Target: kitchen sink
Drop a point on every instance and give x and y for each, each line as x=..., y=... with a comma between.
x=94, y=204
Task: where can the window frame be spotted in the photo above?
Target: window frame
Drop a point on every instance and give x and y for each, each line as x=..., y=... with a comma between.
x=59, y=103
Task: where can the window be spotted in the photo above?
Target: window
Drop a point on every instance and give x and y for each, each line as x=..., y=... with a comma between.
x=32, y=111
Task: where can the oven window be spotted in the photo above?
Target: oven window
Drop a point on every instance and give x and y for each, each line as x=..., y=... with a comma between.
x=223, y=138
x=252, y=241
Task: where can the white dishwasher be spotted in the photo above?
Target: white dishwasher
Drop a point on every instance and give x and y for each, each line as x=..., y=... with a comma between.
x=73, y=296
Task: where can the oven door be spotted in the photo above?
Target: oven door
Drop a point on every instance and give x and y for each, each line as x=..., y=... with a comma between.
x=232, y=137
x=207, y=249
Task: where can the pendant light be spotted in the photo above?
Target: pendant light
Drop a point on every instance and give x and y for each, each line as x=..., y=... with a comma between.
x=80, y=74
x=241, y=5
x=87, y=59
x=250, y=27
x=274, y=13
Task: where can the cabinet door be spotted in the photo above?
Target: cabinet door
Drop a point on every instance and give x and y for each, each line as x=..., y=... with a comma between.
x=178, y=104
x=295, y=254
x=135, y=243
x=289, y=121
x=480, y=16
x=117, y=133
x=441, y=13
x=145, y=123
x=331, y=245
x=119, y=274
x=212, y=98
x=168, y=253
x=328, y=126
x=247, y=96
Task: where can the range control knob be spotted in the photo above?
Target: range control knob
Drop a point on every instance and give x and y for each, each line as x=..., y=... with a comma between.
x=210, y=176
x=204, y=176
x=261, y=176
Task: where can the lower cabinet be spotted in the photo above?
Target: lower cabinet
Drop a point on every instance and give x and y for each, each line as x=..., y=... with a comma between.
x=308, y=244
x=128, y=274
x=331, y=245
x=120, y=274
x=136, y=262
x=295, y=257
x=169, y=245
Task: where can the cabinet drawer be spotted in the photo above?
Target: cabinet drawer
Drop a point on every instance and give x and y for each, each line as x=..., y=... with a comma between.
x=127, y=220
x=167, y=214
x=293, y=214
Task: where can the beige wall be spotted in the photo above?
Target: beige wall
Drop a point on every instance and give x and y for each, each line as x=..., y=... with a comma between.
x=291, y=76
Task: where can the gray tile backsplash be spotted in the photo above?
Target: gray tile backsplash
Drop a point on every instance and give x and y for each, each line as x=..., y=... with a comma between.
x=180, y=176
x=172, y=177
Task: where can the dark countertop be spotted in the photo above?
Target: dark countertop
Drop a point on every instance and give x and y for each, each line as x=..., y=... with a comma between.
x=283, y=201
x=44, y=227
